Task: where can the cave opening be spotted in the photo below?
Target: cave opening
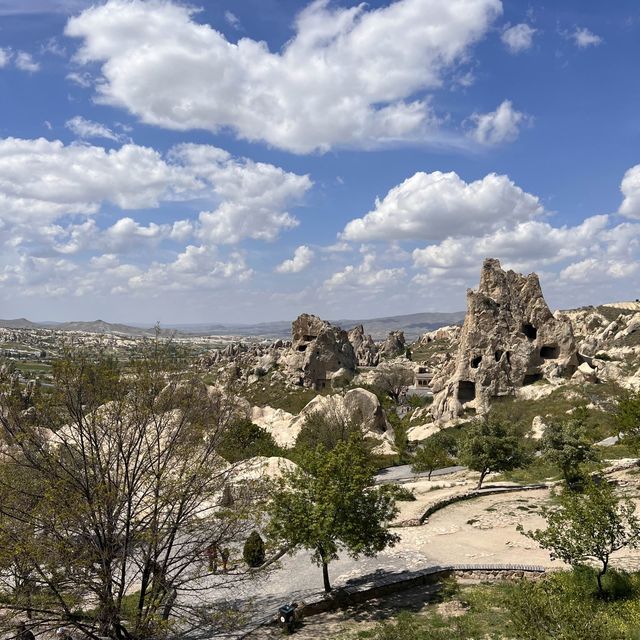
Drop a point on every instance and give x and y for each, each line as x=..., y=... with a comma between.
x=550, y=352
x=530, y=331
x=466, y=391
x=475, y=363
x=531, y=378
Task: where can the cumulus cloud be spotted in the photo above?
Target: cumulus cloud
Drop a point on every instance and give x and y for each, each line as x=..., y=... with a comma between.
x=25, y=62
x=583, y=38
x=499, y=126
x=630, y=188
x=348, y=76
x=54, y=199
x=42, y=181
x=524, y=244
x=87, y=129
x=19, y=59
x=433, y=206
x=365, y=278
x=302, y=258
x=518, y=38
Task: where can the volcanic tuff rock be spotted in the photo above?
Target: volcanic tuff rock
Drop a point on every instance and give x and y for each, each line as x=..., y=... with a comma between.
x=394, y=345
x=509, y=339
x=364, y=347
x=357, y=405
x=318, y=352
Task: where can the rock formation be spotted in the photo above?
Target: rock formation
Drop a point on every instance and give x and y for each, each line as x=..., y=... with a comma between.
x=358, y=405
x=394, y=345
x=509, y=339
x=364, y=347
x=319, y=353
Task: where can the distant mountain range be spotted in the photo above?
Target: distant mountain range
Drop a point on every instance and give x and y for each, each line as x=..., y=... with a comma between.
x=413, y=326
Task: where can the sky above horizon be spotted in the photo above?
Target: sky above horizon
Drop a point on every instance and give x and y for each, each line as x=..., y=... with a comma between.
x=250, y=160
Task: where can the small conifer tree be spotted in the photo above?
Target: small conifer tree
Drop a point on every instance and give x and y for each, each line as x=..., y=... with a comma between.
x=253, y=552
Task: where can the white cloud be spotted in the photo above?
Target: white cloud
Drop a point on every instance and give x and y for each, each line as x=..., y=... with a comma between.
x=55, y=198
x=42, y=181
x=83, y=79
x=630, y=188
x=87, y=129
x=232, y=19
x=433, y=206
x=583, y=38
x=302, y=258
x=365, y=278
x=25, y=62
x=5, y=57
x=525, y=245
x=518, y=38
x=499, y=126
x=348, y=76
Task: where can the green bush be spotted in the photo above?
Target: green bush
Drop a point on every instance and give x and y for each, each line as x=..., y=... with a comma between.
x=247, y=440
x=564, y=605
x=253, y=552
x=398, y=492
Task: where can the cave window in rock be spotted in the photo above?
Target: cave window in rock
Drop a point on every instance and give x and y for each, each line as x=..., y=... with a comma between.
x=475, y=363
x=302, y=347
x=531, y=378
x=530, y=331
x=466, y=391
x=550, y=352
x=498, y=355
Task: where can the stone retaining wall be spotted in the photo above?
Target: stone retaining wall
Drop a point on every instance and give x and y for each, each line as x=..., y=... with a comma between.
x=393, y=583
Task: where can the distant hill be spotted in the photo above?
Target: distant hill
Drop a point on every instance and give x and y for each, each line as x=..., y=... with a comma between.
x=18, y=323
x=413, y=326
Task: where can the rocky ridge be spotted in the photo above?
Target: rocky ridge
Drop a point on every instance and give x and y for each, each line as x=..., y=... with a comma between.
x=509, y=339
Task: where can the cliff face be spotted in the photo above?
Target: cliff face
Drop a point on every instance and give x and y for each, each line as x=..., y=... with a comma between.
x=319, y=351
x=509, y=339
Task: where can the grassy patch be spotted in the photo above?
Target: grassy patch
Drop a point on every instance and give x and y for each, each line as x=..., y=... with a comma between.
x=279, y=396
x=561, y=605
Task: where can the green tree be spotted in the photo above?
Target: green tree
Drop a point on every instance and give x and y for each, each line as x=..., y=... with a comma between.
x=330, y=504
x=393, y=379
x=566, y=445
x=246, y=440
x=627, y=418
x=253, y=551
x=493, y=445
x=326, y=427
x=431, y=455
x=589, y=526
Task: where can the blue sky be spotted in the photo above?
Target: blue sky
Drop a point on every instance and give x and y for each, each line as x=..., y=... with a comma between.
x=255, y=159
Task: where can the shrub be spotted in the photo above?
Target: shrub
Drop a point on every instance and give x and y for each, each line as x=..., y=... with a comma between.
x=253, y=552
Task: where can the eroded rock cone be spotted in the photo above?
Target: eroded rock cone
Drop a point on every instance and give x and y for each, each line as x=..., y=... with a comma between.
x=364, y=347
x=319, y=352
x=394, y=345
x=509, y=339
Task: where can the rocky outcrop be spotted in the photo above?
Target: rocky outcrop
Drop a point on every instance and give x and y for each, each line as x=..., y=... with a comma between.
x=364, y=347
x=319, y=352
x=357, y=405
x=509, y=339
x=394, y=345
